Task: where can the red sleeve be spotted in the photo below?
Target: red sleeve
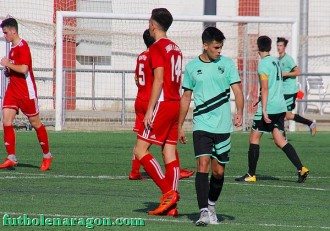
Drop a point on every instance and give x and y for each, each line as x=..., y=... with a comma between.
x=24, y=55
x=157, y=56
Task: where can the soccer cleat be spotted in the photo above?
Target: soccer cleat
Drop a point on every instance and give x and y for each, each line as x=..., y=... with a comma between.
x=247, y=178
x=302, y=174
x=167, y=200
x=172, y=211
x=213, y=215
x=8, y=163
x=136, y=176
x=185, y=173
x=204, y=219
x=46, y=163
x=312, y=128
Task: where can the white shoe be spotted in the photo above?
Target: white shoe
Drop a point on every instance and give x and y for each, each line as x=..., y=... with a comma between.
x=312, y=128
x=213, y=215
x=204, y=218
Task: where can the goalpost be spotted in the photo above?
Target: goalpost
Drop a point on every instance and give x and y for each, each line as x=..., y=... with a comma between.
x=105, y=46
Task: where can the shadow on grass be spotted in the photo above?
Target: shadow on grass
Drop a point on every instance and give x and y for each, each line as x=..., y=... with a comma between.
x=21, y=165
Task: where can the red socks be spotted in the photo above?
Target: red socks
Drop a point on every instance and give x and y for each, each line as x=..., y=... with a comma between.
x=9, y=139
x=172, y=174
x=154, y=170
x=135, y=164
x=43, y=139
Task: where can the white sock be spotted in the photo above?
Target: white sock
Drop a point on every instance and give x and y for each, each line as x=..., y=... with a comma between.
x=48, y=155
x=12, y=157
x=204, y=209
x=211, y=203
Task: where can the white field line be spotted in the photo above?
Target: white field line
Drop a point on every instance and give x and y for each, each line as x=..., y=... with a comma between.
x=166, y=220
x=47, y=176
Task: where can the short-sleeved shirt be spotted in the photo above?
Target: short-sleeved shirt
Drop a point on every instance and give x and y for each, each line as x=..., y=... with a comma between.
x=165, y=53
x=269, y=66
x=143, y=72
x=210, y=83
x=287, y=64
x=22, y=85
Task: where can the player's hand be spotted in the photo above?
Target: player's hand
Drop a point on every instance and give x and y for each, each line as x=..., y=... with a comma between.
x=182, y=136
x=266, y=118
x=238, y=120
x=4, y=61
x=148, y=119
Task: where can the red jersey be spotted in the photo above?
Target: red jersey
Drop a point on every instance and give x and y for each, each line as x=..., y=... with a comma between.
x=22, y=85
x=143, y=72
x=165, y=53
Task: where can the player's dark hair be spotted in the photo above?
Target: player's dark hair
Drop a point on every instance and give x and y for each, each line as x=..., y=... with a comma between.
x=148, y=40
x=281, y=39
x=9, y=22
x=264, y=43
x=211, y=34
x=163, y=17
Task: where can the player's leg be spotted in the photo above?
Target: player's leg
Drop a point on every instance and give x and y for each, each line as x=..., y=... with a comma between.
x=287, y=148
x=291, y=153
x=172, y=173
x=253, y=156
x=9, y=137
x=291, y=104
x=140, y=108
x=154, y=170
x=135, y=171
x=203, y=145
x=43, y=141
x=220, y=158
x=216, y=184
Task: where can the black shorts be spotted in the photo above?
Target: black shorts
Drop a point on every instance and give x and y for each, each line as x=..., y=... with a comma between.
x=217, y=146
x=277, y=122
x=290, y=101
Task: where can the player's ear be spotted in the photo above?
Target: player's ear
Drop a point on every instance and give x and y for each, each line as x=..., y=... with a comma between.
x=205, y=46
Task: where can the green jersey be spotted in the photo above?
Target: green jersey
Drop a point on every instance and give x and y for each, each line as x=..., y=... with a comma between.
x=269, y=68
x=210, y=83
x=287, y=64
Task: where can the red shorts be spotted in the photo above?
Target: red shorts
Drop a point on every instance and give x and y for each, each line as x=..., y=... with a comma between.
x=164, y=124
x=140, y=111
x=29, y=107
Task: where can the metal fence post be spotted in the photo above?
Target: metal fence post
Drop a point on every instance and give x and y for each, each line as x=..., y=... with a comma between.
x=123, y=100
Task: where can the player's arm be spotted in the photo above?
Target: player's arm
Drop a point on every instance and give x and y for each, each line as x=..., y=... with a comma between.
x=184, y=107
x=264, y=96
x=293, y=73
x=155, y=93
x=239, y=101
x=17, y=68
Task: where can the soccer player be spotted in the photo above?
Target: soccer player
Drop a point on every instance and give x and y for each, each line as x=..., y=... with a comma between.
x=144, y=80
x=209, y=78
x=160, y=123
x=290, y=71
x=270, y=114
x=21, y=94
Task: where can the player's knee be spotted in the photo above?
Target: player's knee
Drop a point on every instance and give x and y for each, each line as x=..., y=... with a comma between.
x=218, y=173
x=203, y=164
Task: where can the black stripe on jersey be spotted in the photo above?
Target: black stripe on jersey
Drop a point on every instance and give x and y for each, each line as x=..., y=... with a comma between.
x=212, y=104
x=235, y=82
x=293, y=68
x=186, y=89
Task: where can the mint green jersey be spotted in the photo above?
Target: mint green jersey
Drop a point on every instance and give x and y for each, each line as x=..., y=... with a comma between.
x=210, y=83
x=287, y=64
x=269, y=66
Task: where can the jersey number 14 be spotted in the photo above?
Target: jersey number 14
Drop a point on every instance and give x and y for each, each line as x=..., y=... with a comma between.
x=176, y=66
